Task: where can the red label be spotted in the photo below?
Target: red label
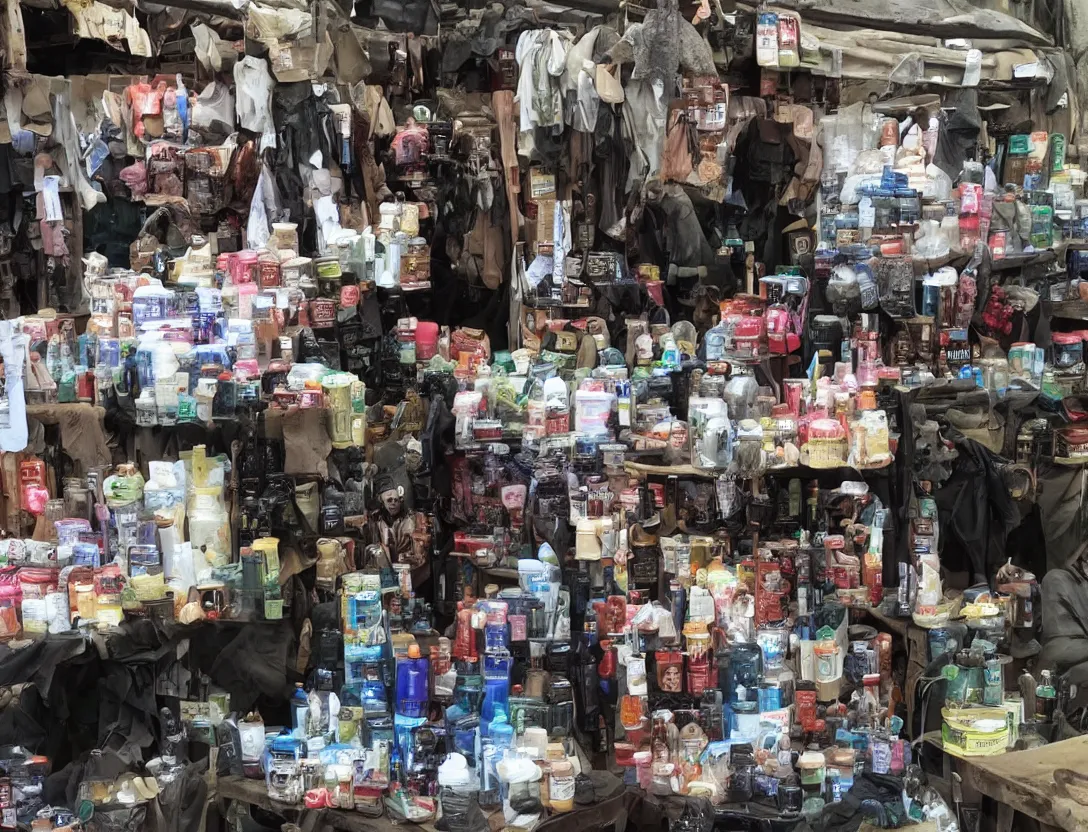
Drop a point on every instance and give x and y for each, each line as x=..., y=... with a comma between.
x=349, y=296
x=322, y=313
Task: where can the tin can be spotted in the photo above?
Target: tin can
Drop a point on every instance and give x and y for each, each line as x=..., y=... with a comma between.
x=322, y=313
x=1057, y=152
x=270, y=274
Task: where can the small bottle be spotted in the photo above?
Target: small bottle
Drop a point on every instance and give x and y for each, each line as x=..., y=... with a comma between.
x=993, y=681
x=300, y=710
x=659, y=740
x=413, y=682
x=501, y=732
x=1045, y=698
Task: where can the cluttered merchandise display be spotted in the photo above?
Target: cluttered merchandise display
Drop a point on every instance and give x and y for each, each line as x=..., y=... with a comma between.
x=478, y=426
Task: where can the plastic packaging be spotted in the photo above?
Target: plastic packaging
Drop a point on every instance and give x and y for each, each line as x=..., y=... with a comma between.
x=413, y=681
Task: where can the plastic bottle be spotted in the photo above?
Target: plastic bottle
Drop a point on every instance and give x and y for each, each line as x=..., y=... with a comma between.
x=1045, y=698
x=300, y=710
x=413, y=680
x=929, y=138
x=536, y=413
x=501, y=731
x=496, y=672
x=993, y=690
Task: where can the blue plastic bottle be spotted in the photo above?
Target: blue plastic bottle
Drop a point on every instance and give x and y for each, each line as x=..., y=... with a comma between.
x=413, y=682
x=496, y=688
x=501, y=731
x=300, y=712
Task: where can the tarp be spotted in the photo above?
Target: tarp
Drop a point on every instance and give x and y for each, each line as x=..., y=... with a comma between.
x=940, y=18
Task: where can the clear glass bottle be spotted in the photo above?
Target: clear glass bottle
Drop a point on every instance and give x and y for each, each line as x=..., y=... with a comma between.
x=1046, y=698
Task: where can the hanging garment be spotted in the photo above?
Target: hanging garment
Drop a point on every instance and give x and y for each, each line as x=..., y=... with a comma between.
x=976, y=513
x=542, y=57
x=253, y=86
x=13, y=351
x=213, y=115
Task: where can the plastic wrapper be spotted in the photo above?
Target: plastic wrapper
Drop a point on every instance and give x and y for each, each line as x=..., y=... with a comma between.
x=895, y=282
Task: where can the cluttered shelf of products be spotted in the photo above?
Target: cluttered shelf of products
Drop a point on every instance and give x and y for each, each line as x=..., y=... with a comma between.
x=252, y=792
x=566, y=419
x=614, y=809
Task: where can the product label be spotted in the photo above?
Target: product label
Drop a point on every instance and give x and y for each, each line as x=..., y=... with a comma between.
x=561, y=788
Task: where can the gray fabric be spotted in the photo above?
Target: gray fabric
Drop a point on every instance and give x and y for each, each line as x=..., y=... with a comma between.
x=644, y=113
x=1060, y=496
x=657, y=52
x=684, y=238
x=662, y=44
x=1064, y=607
x=937, y=18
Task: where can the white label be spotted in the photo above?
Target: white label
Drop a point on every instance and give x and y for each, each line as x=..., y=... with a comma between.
x=866, y=213
x=561, y=788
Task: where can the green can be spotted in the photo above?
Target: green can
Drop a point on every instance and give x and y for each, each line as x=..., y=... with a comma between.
x=1057, y=152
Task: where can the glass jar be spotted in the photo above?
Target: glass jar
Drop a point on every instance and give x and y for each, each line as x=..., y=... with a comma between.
x=415, y=264
x=55, y=511
x=561, y=786
x=270, y=271
x=774, y=642
x=1068, y=350
x=245, y=268
x=827, y=446
x=85, y=601
x=297, y=272
x=328, y=272
x=285, y=236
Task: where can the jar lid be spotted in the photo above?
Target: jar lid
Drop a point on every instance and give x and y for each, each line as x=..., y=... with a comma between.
x=811, y=760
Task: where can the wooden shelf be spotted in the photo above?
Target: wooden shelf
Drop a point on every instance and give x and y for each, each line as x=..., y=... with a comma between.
x=255, y=793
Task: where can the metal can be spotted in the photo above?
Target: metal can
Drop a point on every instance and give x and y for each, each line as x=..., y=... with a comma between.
x=1057, y=152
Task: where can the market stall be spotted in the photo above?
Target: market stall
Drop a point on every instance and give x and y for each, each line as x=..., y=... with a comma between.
x=525, y=415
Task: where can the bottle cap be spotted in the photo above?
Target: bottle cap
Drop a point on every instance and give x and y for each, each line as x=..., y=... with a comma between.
x=413, y=651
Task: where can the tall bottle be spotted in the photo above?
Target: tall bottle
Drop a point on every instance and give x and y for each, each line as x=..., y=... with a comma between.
x=300, y=712
x=1046, y=697
x=659, y=739
x=536, y=413
x=413, y=682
